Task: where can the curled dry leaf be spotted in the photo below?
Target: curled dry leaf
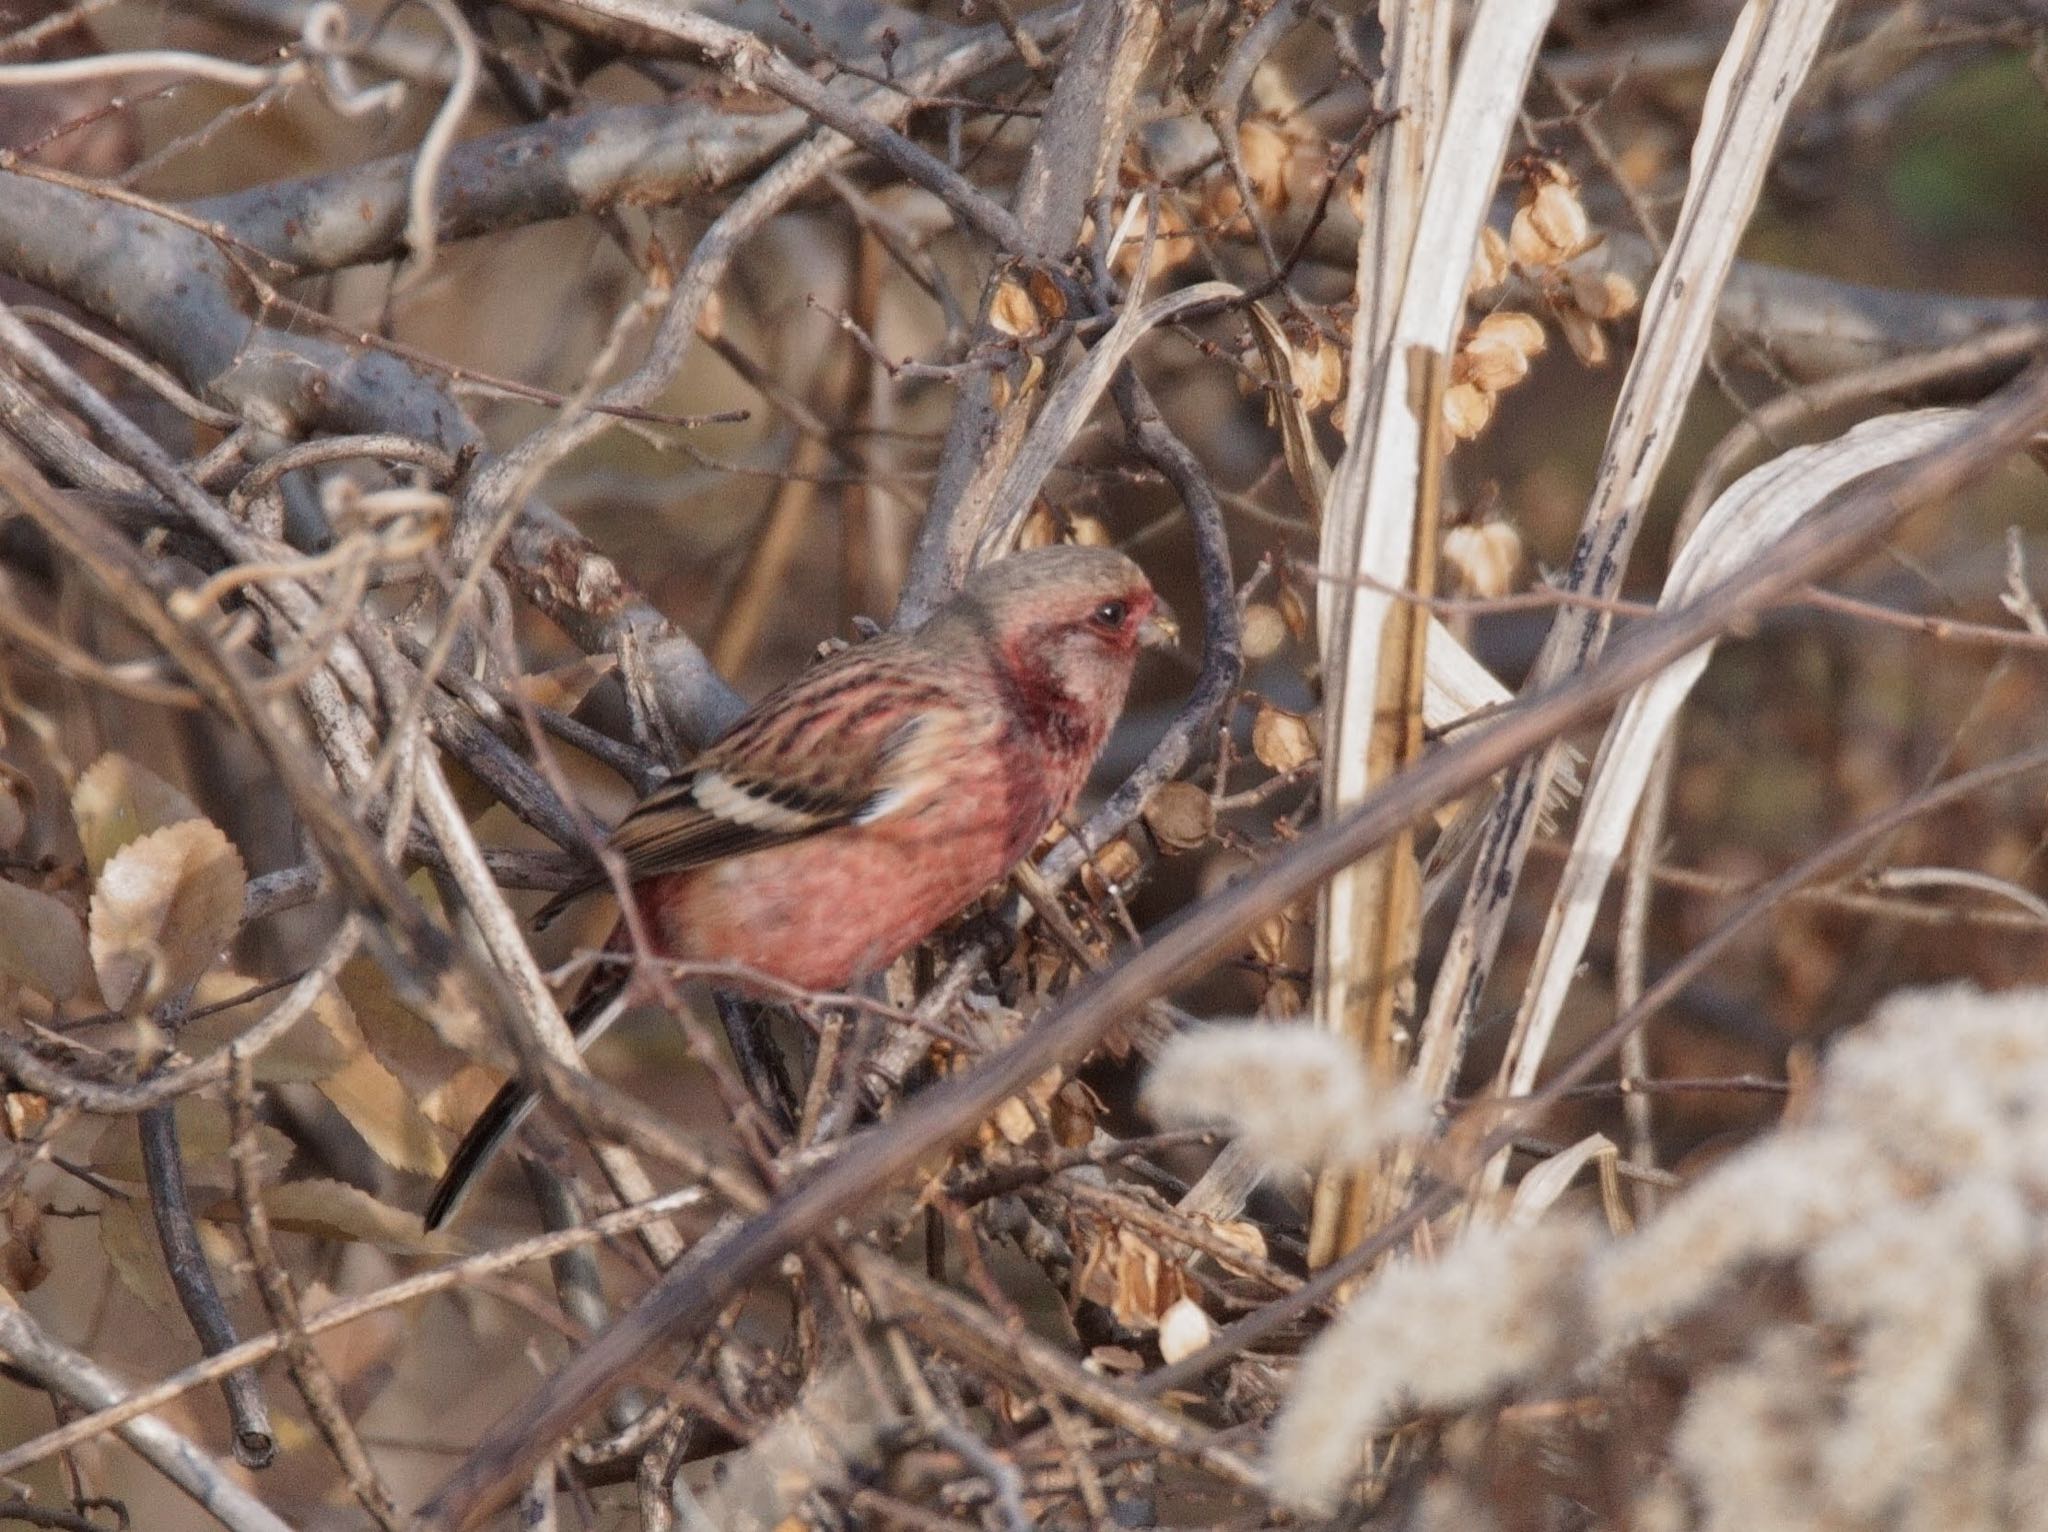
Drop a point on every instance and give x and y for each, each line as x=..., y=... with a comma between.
x=118, y=800
x=1282, y=740
x=1127, y=1275
x=163, y=907
x=1180, y=815
x=42, y=944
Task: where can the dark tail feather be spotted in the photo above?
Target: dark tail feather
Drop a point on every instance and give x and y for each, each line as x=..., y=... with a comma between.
x=547, y=914
x=593, y=1011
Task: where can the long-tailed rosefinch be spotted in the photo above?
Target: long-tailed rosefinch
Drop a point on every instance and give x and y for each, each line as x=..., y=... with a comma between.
x=851, y=812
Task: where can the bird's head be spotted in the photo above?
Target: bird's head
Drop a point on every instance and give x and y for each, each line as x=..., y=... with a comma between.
x=1066, y=625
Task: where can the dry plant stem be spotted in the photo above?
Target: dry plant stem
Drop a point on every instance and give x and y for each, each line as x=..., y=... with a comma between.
x=1414, y=278
x=315, y=1383
x=142, y=594
x=692, y=1292
x=1632, y=963
x=1073, y=155
x=766, y=196
x=1773, y=46
x=115, y=1413
x=78, y=1380
x=950, y=1322
x=542, y=1038
x=1222, y=636
x=170, y=1204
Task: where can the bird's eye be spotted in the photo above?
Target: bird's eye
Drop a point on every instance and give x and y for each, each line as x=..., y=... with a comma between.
x=1111, y=614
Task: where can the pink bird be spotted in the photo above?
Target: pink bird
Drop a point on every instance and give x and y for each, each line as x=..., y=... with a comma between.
x=850, y=813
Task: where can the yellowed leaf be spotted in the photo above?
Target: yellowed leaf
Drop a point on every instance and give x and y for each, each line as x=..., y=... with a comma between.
x=129, y=1238
x=202, y=1126
x=381, y=1109
x=336, y=1210
x=163, y=907
x=118, y=800
x=318, y=1044
x=41, y=943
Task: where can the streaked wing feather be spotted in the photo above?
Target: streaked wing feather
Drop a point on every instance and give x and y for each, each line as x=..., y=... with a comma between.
x=825, y=754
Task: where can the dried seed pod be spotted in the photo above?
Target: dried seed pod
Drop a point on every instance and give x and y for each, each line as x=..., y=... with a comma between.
x=1282, y=740
x=1602, y=294
x=1550, y=227
x=1485, y=560
x=1265, y=631
x=1583, y=334
x=1180, y=816
x=1184, y=1329
x=1318, y=370
x=1468, y=409
x=1114, y=865
x=1490, y=263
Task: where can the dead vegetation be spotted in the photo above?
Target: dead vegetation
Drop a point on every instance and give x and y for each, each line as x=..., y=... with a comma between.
x=419, y=426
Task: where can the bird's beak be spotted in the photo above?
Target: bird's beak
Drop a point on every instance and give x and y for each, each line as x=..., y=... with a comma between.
x=1160, y=629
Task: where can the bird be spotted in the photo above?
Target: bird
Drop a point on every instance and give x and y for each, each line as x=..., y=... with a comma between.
x=851, y=812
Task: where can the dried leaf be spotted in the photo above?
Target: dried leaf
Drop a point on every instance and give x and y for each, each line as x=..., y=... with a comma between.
x=1547, y=1182
x=1130, y=1278
x=564, y=687
x=204, y=1135
x=42, y=943
x=128, y=1237
x=117, y=801
x=163, y=908
x=336, y=1210
x=23, y=1113
x=391, y=1122
x=1180, y=815
x=1282, y=740
x=321, y=1042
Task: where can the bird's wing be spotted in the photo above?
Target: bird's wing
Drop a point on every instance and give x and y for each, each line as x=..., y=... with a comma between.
x=842, y=744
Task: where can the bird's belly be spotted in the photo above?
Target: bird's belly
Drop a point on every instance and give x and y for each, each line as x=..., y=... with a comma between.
x=823, y=912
